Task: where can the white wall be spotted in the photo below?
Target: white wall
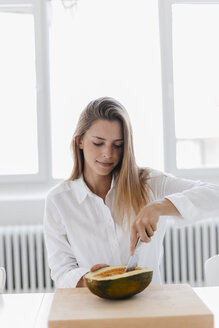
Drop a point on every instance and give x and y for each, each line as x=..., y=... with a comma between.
x=22, y=205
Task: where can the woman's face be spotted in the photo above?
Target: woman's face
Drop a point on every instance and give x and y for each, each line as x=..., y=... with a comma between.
x=102, y=146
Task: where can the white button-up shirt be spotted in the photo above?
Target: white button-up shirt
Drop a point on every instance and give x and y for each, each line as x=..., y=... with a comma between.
x=80, y=231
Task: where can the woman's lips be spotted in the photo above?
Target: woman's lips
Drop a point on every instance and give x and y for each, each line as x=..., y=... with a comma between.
x=105, y=164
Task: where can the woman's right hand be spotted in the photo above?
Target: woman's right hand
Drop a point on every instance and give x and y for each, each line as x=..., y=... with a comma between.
x=82, y=282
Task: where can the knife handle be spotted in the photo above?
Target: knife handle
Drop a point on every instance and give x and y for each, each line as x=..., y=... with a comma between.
x=138, y=242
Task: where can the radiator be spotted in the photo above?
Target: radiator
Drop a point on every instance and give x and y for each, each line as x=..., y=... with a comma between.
x=186, y=249
x=23, y=254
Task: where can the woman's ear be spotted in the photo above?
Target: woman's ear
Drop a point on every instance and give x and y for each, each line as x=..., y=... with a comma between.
x=79, y=142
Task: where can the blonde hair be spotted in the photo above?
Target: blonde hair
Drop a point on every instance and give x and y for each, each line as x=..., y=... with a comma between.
x=130, y=181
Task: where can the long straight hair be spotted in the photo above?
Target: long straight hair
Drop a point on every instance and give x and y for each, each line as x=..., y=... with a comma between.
x=131, y=190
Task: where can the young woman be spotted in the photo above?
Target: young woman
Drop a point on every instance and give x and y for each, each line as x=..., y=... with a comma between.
x=94, y=218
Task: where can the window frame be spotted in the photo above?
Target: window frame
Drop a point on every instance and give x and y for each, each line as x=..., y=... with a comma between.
x=39, y=9
x=166, y=52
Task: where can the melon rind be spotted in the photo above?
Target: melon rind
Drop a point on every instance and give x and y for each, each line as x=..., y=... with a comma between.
x=118, y=286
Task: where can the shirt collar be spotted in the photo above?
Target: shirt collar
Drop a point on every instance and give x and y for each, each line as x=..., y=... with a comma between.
x=82, y=190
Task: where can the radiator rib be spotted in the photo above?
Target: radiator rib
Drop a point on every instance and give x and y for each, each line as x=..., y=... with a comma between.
x=182, y=256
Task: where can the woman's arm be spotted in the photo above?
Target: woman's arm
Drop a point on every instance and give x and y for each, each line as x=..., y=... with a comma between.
x=186, y=200
x=62, y=262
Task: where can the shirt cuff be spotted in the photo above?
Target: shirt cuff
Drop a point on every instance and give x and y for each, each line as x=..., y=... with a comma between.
x=71, y=278
x=185, y=207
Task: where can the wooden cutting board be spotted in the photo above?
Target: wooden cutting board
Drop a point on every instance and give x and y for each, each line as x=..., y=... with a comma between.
x=169, y=306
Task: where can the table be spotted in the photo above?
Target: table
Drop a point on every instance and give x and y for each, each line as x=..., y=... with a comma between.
x=210, y=296
x=25, y=310
x=32, y=310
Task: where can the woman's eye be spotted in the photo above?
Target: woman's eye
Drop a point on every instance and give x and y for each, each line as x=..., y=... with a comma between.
x=97, y=144
x=118, y=146
x=114, y=146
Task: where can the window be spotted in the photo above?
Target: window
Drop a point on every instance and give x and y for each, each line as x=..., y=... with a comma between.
x=18, y=124
x=106, y=48
x=24, y=85
x=190, y=55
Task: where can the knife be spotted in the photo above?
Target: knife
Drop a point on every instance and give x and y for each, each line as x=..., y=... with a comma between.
x=133, y=260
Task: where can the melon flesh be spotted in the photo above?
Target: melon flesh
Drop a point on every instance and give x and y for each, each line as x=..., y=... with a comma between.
x=111, y=272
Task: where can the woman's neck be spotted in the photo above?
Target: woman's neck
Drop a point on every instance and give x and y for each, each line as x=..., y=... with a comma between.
x=99, y=185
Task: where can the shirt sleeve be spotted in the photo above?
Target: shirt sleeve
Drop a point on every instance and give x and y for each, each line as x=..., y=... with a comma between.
x=195, y=200
x=62, y=262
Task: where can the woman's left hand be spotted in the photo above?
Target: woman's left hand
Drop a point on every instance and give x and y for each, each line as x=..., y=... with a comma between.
x=98, y=266
x=82, y=282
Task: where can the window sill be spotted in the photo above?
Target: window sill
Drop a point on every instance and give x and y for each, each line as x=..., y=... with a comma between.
x=25, y=191
x=23, y=203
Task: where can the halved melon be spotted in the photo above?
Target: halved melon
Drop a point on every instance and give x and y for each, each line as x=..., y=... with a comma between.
x=112, y=282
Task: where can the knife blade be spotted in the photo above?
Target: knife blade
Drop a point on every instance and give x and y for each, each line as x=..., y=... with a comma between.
x=133, y=260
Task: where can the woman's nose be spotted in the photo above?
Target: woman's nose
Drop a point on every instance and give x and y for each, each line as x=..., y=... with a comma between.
x=107, y=152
